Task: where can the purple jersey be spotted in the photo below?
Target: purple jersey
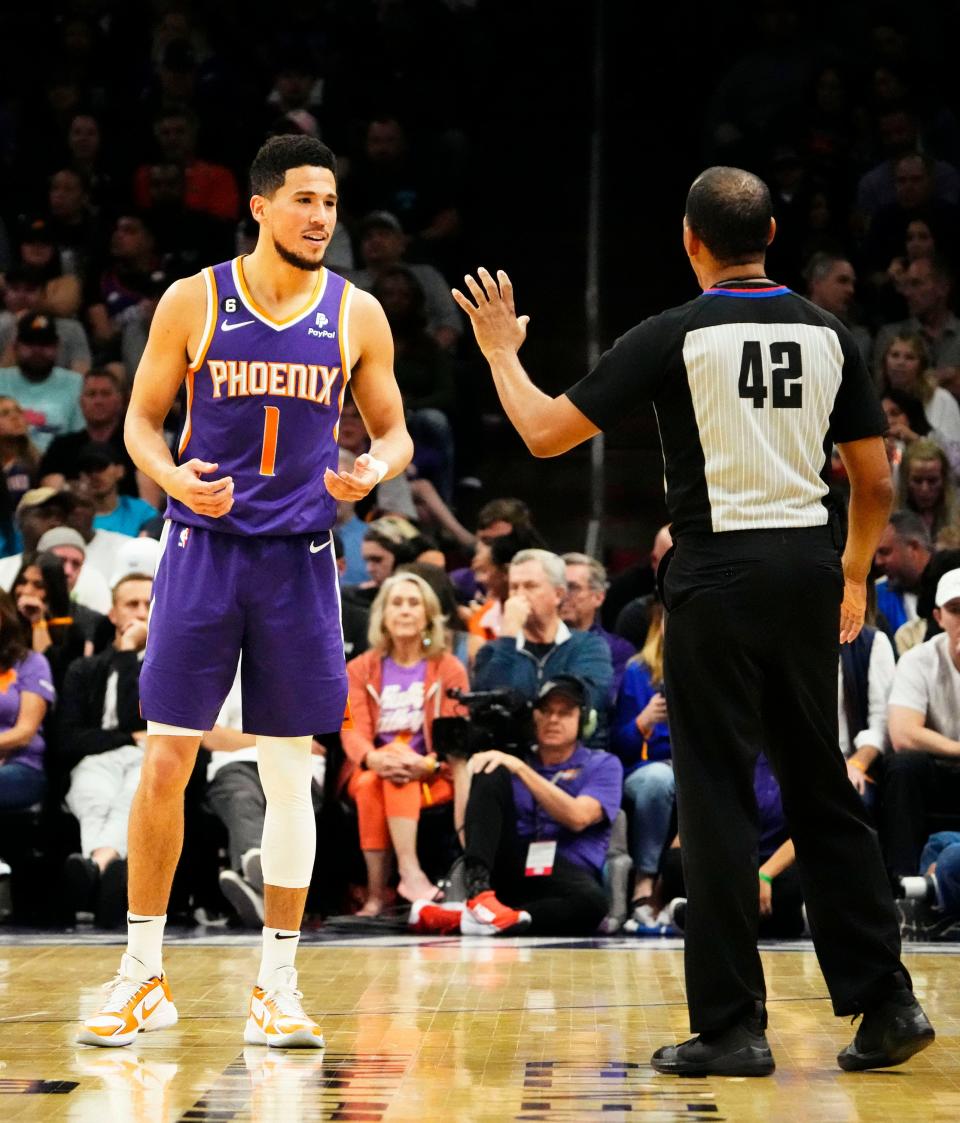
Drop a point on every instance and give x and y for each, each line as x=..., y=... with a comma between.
x=263, y=402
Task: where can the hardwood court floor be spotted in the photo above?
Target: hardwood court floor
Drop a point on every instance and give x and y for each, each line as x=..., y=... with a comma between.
x=448, y=1029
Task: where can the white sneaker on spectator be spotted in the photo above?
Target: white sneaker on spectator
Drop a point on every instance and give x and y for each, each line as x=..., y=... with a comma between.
x=251, y=868
x=247, y=902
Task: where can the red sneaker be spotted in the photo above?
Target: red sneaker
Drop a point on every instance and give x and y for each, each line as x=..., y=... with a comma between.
x=486, y=916
x=430, y=919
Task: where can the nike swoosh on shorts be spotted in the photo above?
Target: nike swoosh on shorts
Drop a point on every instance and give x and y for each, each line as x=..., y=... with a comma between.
x=315, y=549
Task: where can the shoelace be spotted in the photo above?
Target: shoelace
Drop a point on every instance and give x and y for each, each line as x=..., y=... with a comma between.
x=287, y=1002
x=120, y=990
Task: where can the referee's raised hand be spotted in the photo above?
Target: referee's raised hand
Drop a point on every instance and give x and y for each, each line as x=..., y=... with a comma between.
x=496, y=325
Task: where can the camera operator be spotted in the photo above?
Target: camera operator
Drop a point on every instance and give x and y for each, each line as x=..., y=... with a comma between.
x=537, y=829
x=535, y=645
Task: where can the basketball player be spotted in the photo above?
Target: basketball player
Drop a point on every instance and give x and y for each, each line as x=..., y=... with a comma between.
x=752, y=386
x=267, y=344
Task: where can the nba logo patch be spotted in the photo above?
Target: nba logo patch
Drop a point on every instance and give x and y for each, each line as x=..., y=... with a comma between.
x=184, y=538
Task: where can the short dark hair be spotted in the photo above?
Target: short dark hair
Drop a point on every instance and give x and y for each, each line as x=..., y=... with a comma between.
x=729, y=210
x=280, y=153
x=910, y=527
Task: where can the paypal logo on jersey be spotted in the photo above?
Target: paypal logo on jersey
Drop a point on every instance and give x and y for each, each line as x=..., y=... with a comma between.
x=320, y=332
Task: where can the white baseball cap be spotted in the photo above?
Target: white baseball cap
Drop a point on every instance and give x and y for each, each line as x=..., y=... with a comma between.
x=136, y=555
x=948, y=587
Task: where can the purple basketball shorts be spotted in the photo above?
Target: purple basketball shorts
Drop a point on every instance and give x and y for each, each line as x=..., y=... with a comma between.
x=273, y=600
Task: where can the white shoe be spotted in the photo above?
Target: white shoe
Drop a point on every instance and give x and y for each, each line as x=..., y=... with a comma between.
x=251, y=869
x=276, y=1017
x=133, y=1005
x=246, y=901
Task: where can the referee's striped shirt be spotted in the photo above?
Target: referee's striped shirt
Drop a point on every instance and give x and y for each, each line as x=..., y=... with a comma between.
x=752, y=386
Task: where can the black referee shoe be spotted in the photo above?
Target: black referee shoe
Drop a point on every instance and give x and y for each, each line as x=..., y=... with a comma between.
x=889, y=1034
x=740, y=1050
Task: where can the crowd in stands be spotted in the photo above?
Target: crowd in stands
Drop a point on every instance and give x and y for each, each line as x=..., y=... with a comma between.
x=118, y=181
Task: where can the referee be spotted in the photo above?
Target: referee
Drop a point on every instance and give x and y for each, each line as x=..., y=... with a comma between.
x=752, y=385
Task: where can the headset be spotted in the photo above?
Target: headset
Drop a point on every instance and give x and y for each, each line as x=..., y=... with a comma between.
x=588, y=715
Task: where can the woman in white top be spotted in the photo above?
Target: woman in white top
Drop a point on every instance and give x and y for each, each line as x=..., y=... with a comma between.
x=905, y=366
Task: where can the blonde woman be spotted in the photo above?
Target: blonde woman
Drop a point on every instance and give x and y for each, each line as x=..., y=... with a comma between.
x=641, y=739
x=905, y=366
x=397, y=688
x=19, y=456
x=925, y=486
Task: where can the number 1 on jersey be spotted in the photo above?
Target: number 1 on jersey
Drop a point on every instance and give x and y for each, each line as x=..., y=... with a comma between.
x=271, y=426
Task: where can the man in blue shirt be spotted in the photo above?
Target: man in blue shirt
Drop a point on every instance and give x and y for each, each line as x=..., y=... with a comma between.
x=101, y=468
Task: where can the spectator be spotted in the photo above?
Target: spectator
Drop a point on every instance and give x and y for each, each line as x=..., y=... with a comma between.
x=387, y=176
x=43, y=604
x=40, y=509
x=865, y=678
x=102, y=405
x=101, y=466
x=49, y=395
x=387, y=542
x=900, y=135
x=495, y=520
x=391, y=497
x=831, y=284
x=534, y=643
x=537, y=829
x=926, y=286
x=235, y=796
x=354, y=617
x=125, y=291
x=102, y=738
x=924, y=717
x=780, y=897
x=27, y=695
x=491, y=569
x=186, y=239
x=351, y=529
x=73, y=224
x=88, y=589
x=38, y=258
x=903, y=553
x=926, y=486
x=85, y=151
x=632, y=619
x=397, y=688
x=18, y=454
x=640, y=737
x=424, y=374
x=934, y=893
x=23, y=298
x=460, y=642
x=382, y=246
x=104, y=547
x=211, y=188
x=905, y=366
x=580, y=610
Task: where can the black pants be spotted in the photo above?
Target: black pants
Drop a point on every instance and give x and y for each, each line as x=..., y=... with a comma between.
x=568, y=902
x=914, y=784
x=751, y=664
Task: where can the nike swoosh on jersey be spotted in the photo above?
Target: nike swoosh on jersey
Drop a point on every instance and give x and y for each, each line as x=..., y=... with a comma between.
x=240, y=324
x=315, y=549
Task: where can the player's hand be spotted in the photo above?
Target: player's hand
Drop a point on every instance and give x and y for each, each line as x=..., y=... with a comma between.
x=853, y=609
x=353, y=485
x=492, y=760
x=496, y=324
x=212, y=498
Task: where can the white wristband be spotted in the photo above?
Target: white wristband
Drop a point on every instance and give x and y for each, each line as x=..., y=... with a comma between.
x=381, y=467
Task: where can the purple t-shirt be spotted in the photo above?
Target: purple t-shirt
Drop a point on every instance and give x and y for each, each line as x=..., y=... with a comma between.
x=32, y=674
x=773, y=824
x=401, y=705
x=587, y=772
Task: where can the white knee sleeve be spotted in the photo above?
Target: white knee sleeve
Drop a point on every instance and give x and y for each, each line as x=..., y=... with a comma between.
x=289, y=828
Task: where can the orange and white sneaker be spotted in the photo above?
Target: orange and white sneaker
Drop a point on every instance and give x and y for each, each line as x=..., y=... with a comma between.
x=486, y=916
x=277, y=1018
x=431, y=919
x=133, y=1005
